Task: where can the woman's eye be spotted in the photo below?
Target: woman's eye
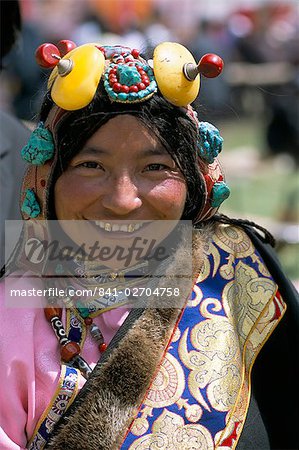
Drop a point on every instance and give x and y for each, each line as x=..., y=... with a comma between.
x=154, y=167
x=91, y=165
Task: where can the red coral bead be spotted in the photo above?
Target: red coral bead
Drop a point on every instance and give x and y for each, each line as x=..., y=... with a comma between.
x=88, y=320
x=103, y=347
x=44, y=55
x=116, y=87
x=210, y=65
x=142, y=72
x=69, y=351
x=52, y=312
x=113, y=71
x=135, y=53
x=125, y=89
x=65, y=46
x=145, y=80
x=112, y=79
x=141, y=86
x=133, y=88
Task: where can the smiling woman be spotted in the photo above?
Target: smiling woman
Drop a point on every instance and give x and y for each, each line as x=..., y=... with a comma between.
x=156, y=322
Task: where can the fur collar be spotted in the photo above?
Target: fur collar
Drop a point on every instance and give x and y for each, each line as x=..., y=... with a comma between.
x=100, y=415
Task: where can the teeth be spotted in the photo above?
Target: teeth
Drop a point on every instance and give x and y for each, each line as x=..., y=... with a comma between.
x=130, y=228
x=107, y=227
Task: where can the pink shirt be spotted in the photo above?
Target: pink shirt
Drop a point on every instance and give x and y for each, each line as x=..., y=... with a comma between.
x=30, y=364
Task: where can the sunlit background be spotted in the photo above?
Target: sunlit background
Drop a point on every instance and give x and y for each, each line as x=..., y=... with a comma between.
x=254, y=102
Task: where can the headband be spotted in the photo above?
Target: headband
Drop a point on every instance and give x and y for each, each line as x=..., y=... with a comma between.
x=127, y=78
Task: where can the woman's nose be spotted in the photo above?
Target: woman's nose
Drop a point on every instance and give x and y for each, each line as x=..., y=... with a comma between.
x=122, y=196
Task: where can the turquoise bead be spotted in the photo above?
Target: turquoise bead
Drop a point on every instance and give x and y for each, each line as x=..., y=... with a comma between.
x=133, y=96
x=40, y=147
x=84, y=312
x=128, y=75
x=122, y=96
x=210, y=142
x=113, y=94
x=220, y=192
x=30, y=204
x=142, y=93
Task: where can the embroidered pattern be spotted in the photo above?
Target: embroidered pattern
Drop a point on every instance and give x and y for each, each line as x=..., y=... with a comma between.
x=66, y=390
x=65, y=394
x=201, y=393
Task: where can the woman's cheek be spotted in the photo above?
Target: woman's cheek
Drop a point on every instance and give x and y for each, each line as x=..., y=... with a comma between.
x=170, y=195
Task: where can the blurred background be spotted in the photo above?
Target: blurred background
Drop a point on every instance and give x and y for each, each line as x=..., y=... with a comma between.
x=254, y=102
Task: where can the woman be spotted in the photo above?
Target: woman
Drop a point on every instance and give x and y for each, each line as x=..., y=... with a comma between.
x=119, y=149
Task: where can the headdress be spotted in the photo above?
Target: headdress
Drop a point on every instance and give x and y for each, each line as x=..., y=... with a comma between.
x=127, y=78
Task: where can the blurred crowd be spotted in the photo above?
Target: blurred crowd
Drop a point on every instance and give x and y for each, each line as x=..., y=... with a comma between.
x=257, y=40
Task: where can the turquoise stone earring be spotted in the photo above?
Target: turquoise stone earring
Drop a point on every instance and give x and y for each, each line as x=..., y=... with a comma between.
x=30, y=204
x=220, y=192
x=210, y=142
x=40, y=147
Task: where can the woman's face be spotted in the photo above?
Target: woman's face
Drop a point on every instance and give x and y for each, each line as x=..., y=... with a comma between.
x=122, y=173
x=122, y=186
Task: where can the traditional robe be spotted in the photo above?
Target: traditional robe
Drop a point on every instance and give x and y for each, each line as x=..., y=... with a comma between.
x=181, y=376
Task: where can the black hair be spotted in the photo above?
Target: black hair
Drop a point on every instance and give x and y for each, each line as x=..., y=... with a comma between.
x=10, y=25
x=171, y=125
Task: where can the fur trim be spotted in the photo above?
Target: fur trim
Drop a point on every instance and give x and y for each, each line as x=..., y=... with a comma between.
x=100, y=416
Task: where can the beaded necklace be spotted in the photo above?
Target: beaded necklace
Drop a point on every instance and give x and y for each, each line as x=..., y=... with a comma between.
x=69, y=349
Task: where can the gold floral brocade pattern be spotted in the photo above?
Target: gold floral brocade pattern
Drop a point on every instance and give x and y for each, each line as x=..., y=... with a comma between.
x=170, y=432
x=210, y=373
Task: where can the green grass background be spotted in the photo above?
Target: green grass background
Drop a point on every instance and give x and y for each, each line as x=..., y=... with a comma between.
x=268, y=191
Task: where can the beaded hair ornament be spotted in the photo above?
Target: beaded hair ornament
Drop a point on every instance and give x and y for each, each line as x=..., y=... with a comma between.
x=127, y=78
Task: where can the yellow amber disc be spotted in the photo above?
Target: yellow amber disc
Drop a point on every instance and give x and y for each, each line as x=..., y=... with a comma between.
x=77, y=89
x=169, y=60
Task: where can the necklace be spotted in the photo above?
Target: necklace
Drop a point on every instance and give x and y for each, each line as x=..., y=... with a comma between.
x=70, y=349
